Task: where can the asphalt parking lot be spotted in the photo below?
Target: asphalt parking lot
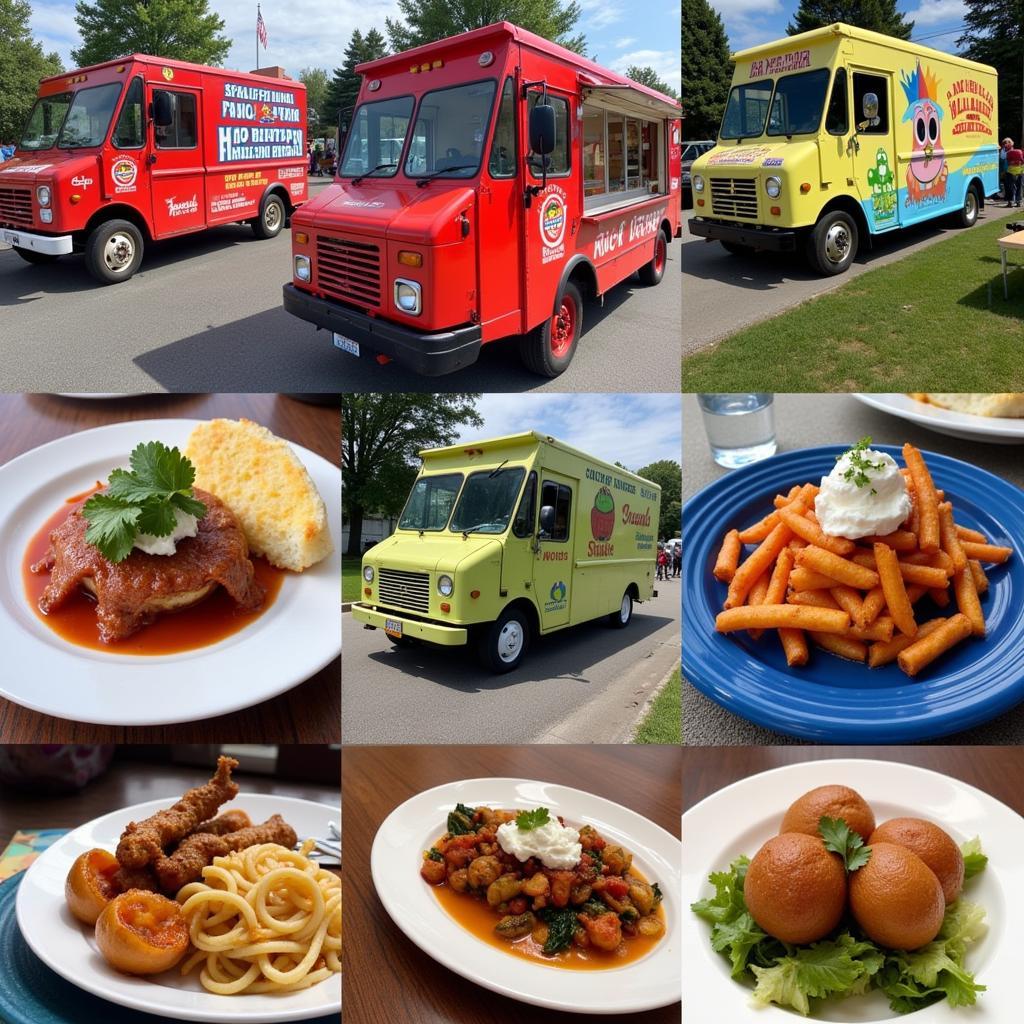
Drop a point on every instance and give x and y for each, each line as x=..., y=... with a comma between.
x=204, y=314
x=587, y=684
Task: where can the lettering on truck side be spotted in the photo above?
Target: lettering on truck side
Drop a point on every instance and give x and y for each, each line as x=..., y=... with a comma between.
x=642, y=226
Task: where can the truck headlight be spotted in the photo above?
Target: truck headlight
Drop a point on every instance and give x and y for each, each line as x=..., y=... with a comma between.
x=303, y=271
x=408, y=296
x=368, y=573
x=698, y=183
x=773, y=186
x=43, y=195
x=445, y=586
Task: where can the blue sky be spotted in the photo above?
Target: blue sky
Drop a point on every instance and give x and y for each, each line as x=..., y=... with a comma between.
x=750, y=22
x=305, y=33
x=635, y=430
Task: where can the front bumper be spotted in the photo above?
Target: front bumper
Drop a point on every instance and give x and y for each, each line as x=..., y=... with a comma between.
x=429, y=354
x=769, y=239
x=432, y=632
x=52, y=245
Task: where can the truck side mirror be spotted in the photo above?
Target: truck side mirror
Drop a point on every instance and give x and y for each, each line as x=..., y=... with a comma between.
x=542, y=129
x=163, y=114
x=870, y=105
x=547, y=519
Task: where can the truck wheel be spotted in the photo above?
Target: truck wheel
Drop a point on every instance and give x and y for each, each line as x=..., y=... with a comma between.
x=31, y=256
x=832, y=244
x=652, y=273
x=113, y=251
x=503, y=643
x=735, y=249
x=548, y=349
x=968, y=215
x=271, y=219
x=622, y=618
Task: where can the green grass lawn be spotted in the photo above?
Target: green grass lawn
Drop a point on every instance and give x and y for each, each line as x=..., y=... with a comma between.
x=920, y=324
x=663, y=723
x=350, y=578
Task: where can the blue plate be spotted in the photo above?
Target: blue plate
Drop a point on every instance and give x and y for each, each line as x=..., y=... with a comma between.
x=831, y=700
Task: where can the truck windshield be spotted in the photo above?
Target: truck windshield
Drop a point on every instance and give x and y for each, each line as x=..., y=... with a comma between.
x=88, y=117
x=44, y=121
x=376, y=139
x=488, y=500
x=430, y=503
x=451, y=125
x=798, y=103
x=746, y=111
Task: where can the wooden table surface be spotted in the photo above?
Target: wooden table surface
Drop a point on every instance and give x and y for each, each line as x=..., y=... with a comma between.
x=387, y=979
x=1014, y=241
x=308, y=713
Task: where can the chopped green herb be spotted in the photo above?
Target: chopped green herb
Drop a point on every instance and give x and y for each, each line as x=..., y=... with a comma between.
x=840, y=838
x=460, y=821
x=432, y=854
x=658, y=897
x=857, y=470
x=526, y=821
x=562, y=926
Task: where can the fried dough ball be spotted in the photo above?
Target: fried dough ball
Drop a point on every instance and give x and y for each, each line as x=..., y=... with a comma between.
x=829, y=802
x=933, y=845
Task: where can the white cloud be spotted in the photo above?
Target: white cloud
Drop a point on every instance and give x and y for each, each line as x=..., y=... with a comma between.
x=937, y=14
x=664, y=62
x=597, y=14
x=621, y=44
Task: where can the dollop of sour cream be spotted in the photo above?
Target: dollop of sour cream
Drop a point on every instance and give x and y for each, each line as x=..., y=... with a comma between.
x=185, y=525
x=555, y=846
x=852, y=508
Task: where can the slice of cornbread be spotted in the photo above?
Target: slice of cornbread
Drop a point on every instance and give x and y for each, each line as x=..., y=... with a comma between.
x=261, y=480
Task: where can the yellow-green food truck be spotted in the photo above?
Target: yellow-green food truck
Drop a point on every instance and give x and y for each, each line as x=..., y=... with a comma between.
x=504, y=540
x=833, y=136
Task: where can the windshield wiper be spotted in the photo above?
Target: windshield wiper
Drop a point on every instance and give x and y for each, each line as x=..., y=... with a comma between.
x=476, y=526
x=380, y=167
x=422, y=180
x=497, y=469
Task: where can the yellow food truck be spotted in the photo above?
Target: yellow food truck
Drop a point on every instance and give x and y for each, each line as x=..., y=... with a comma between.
x=504, y=540
x=836, y=135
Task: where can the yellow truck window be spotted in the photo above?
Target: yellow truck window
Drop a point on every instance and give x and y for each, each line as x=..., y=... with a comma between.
x=879, y=85
x=559, y=497
x=798, y=103
x=746, y=111
x=837, y=120
x=430, y=504
x=526, y=515
x=487, y=500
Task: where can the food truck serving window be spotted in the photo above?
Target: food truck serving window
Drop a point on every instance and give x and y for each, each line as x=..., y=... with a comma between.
x=620, y=157
x=129, y=132
x=559, y=496
x=502, y=163
x=451, y=125
x=377, y=137
x=430, y=503
x=487, y=500
x=558, y=160
x=798, y=103
x=45, y=120
x=746, y=111
x=182, y=132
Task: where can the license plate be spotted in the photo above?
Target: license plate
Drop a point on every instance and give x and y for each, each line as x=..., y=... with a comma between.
x=345, y=344
x=9, y=237
x=393, y=627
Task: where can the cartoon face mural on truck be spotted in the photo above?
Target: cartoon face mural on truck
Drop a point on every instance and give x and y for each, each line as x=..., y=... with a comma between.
x=927, y=171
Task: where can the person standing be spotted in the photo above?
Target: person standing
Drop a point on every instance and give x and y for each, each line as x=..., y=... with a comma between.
x=1015, y=172
x=1004, y=178
x=677, y=559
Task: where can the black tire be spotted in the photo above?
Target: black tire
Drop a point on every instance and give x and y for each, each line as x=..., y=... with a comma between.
x=548, y=349
x=36, y=258
x=624, y=616
x=967, y=215
x=113, y=251
x=832, y=245
x=652, y=273
x=502, y=644
x=735, y=249
x=271, y=219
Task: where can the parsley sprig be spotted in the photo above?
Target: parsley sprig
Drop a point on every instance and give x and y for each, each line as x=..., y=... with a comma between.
x=142, y=500
x=857, y=470
x=840, y=838
x=527, y=821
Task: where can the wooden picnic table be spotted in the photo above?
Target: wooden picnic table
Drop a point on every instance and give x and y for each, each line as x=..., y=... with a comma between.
x=1006, y=244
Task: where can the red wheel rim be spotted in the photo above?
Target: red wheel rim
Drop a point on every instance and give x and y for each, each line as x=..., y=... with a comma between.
x=659, y=254
x=563, y=328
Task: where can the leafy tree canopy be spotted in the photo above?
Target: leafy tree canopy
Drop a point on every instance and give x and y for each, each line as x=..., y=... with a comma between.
x=876, y=15
x=22, y=64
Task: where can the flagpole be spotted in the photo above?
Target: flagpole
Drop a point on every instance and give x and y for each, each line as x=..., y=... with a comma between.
x=257, y=37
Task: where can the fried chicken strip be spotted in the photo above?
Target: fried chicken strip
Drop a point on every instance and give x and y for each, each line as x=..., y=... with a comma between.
x=197, y=851
x=229, y=821
x=143, y=842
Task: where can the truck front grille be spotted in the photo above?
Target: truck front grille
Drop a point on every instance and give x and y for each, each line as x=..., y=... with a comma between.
x=734, y=197
x=349, y=270
x=404, y=589
x=16, y=206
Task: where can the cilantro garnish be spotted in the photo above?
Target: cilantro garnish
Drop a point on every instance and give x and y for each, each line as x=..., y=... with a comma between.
x=142, y=500
x=526, y=821
x=840, y=838
x=857, y=470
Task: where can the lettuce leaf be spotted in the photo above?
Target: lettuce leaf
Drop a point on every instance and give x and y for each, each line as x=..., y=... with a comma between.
x=974, y=859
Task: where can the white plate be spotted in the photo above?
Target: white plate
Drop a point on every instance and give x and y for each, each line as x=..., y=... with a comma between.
x=69, y=947
x=993, y=429
x=741, y=817
x=291, y=641
x=655, y=980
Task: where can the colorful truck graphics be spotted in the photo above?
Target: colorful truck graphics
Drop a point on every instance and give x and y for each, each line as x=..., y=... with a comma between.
x=143, y=148
x=508, y=539
x=459, y=218
x=836, y=135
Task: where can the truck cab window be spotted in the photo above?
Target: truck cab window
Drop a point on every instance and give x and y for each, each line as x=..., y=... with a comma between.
x=128, y=132
x=526, y=514
x=448, y=136
x=487, y=501
x=182, y=132
x=837, y=120
x=502, y=163
x=430, y=504
x=559, y=496
x=558, y=159
x=376, y=139
x=879, y=85
x=746, y=111
x=88, y=117
x=45, y=120
x=798, y=103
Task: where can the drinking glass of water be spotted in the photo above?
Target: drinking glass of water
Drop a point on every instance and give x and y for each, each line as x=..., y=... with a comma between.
x=740, y=428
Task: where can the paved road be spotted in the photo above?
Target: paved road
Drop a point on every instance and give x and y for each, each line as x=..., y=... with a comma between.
x=726, y=293
x=586, y=684
x=204, y=314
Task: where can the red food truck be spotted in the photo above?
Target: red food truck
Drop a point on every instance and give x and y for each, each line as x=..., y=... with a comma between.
x=488, y=184
x=142, y=148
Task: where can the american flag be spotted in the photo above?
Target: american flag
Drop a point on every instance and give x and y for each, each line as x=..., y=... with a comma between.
x=261, y=28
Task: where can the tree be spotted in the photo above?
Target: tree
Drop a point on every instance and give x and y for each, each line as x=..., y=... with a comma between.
x=668, y=475
x=22, y=64
x=649, y=77
x=381, y=438
x=706, y=69
x=994, y=35
x=877, y=15
x=427, y=21
x=344, y=87
x=316, y=82
x=181, y=29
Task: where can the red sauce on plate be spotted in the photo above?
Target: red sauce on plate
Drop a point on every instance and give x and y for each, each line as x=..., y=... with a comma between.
x=206, y=623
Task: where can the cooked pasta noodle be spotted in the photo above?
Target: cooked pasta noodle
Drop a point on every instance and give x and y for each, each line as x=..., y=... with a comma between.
x=264, y=919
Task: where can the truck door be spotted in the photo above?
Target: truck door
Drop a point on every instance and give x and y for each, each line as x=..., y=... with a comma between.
x=553, y=563
x=873, y=147
x=176, y=167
